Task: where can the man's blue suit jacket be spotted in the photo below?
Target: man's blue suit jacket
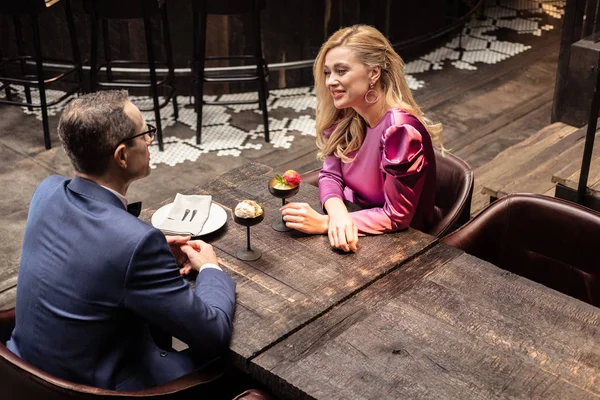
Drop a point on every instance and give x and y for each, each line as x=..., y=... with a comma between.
x=91, y=279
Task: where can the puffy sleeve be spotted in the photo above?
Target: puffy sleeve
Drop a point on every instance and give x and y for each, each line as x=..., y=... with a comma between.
x=331, y=183
x=404, y=166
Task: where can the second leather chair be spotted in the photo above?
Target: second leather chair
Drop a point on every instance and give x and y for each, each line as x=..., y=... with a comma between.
x=547, y=240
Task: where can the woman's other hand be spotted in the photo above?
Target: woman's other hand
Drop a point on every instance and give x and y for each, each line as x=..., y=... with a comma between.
x=342, y=232
x=302, y=217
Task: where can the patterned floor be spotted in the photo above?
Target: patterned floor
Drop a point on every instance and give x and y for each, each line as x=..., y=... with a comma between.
x=291, y=111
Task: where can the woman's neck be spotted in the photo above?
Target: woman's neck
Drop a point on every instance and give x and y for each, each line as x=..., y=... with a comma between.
x=373, y=113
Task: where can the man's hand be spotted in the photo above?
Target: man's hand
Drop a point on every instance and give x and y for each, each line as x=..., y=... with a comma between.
x=198, y=253
x=175, y=243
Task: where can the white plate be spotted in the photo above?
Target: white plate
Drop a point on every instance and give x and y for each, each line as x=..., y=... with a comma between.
x=217, y=217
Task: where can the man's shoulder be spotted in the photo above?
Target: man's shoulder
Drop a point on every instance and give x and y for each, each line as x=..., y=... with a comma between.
x=52, y=181
x=48, y=186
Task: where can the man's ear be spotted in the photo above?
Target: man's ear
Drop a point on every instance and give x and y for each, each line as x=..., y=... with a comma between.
x=120, y=155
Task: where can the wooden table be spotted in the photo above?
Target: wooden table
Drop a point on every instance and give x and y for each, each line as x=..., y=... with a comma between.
x=444, y=326
x=404, y=317
x=299, y=277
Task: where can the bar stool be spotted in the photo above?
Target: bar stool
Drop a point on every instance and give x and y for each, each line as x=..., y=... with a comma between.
x=201, y=9
x=38, y=79
x=105, y=10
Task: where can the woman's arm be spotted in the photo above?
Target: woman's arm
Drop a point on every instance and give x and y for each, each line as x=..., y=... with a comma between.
x=405, y=168
x=341, y=230
x=338, y=225
x=331, y=182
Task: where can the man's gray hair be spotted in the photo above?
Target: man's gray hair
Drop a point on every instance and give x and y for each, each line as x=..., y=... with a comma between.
x=92, y=126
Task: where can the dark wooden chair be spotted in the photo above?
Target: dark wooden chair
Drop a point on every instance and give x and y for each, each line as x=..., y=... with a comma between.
x=453, y=193
x=547, y=240
x=20, y=380
x=40, y=78
x=106, y=10
x=201, y=10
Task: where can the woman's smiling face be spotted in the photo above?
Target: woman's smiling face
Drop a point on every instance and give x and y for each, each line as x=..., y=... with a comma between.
x=346, y=77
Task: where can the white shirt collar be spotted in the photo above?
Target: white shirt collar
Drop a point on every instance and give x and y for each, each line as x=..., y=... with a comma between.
x=119, y=195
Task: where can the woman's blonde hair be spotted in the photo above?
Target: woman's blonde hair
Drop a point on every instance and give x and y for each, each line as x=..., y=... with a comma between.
x=374, y=50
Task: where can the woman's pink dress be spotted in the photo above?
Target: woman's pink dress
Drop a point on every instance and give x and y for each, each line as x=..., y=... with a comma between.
x=392, y=176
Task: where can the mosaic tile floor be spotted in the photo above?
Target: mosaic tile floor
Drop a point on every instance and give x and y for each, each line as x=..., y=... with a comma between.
x=481, y=42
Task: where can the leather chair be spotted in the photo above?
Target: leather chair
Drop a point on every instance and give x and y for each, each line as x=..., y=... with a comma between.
x=20, y=380
x=453, y=193
x=547, y=240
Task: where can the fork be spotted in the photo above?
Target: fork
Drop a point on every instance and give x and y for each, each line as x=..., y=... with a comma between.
x=187, y=211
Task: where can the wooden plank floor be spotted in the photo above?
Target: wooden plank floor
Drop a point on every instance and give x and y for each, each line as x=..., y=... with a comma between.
x=483, y=111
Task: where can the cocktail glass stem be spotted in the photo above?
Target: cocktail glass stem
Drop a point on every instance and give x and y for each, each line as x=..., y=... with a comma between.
x=283, y=203
x=248, y=237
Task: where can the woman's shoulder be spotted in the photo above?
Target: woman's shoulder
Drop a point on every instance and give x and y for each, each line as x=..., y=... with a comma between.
x=399, y=117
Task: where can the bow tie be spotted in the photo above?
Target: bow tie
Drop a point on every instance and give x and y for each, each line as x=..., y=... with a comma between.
x=134, y=208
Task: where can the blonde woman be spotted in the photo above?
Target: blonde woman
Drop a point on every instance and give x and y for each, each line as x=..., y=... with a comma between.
x=374, y=140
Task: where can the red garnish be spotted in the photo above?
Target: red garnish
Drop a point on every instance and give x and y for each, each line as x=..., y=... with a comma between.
x=291, y=177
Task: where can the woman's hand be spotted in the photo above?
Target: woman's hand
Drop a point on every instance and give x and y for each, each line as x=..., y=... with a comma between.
x=303, y=218
x=342, y=232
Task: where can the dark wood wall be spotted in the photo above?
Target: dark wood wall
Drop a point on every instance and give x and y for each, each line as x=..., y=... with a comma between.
x=293, y=30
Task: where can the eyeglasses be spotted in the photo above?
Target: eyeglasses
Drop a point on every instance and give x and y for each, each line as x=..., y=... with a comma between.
x=150, y=132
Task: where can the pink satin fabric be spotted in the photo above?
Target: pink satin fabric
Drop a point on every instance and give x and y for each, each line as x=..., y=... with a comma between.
x=392, y=176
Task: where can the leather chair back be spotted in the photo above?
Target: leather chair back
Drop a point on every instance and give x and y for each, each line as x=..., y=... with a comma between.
x=19, y=380
x=547, y=240
x=453, y=193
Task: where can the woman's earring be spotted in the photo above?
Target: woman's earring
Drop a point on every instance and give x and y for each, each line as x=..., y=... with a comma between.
x=372, y=95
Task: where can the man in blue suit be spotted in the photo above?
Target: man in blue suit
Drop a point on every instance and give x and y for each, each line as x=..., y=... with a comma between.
x=93, y=277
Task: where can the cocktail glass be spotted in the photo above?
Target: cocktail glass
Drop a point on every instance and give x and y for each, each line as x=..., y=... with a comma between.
x=283, y=194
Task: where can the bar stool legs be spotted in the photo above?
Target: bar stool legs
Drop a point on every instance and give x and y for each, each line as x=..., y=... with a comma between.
x=201, y=9
x=40, y=79
x=107, y=55
x=40, y=73
x=154, y=89
x=200, y=18
x=260, y=69
x=21, y=50
x=101, y=13
x=74, y=45
x=94, y=54
x=169, y=53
